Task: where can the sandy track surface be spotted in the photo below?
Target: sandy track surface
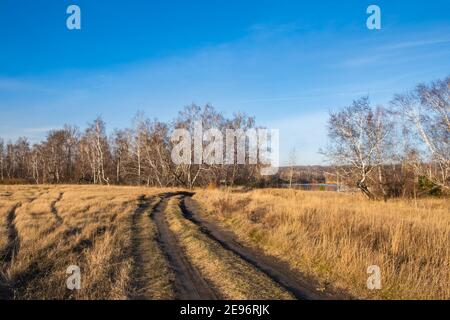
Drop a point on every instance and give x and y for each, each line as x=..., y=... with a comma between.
x=188, y=283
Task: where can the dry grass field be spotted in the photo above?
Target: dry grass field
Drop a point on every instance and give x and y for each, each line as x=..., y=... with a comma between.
x=56, y=227
x=144, y=243
x=334, y=237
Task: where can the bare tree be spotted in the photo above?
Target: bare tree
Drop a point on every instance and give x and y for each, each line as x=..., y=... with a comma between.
x=190, y=174
x=237, y=171
x=10, y=161
x=22, y=159
x=154, y=155
x=137, y=143
x=121, y=154
x=94, y=146
x=426, y=118
x=71, y=140
x=360, y=143
x=2, y=159
x=292, y=163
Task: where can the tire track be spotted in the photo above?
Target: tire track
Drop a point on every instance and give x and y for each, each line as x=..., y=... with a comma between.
x=138, y=252
x=10, y=285
x=233, y=276
x=11, y=250
x=53, y=209
x=13, y=246
x=150, y=277
x=279, y=272
x=188, y=283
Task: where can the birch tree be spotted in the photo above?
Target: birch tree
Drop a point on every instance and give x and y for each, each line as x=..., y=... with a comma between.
x=425, y=113
x=359, y=143
x=2, y=159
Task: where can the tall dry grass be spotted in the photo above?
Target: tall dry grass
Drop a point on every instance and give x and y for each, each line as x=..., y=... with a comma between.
x=59, y=226
x=335, y=237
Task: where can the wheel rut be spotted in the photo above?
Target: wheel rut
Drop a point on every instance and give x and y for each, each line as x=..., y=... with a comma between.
x=189, y=283
x=53, y=209
x=8, y=254
x=13, y=245
x=278, y=271
x=140, y=234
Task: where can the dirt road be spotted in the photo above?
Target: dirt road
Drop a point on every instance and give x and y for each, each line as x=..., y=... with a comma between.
x=162, y=248
x=188, y=284
x=192, y=277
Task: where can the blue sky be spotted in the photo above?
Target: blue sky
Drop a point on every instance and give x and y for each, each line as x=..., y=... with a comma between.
x=286, y=62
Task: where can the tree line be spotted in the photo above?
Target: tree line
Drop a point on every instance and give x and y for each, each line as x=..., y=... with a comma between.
x=399, y=150
x=139, y=155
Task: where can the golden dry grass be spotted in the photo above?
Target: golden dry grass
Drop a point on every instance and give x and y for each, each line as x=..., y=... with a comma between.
x=330, y=236
x=89, y=226
x=335, y=237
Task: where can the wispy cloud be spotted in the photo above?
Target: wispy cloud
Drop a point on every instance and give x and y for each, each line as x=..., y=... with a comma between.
x=418, y=43
x=395, y=47
x=33, y=134
x=39, y=130
x=359, y=61
x=8, y=84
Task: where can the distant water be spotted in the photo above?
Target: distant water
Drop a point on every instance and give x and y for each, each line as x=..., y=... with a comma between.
x=313, y=186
